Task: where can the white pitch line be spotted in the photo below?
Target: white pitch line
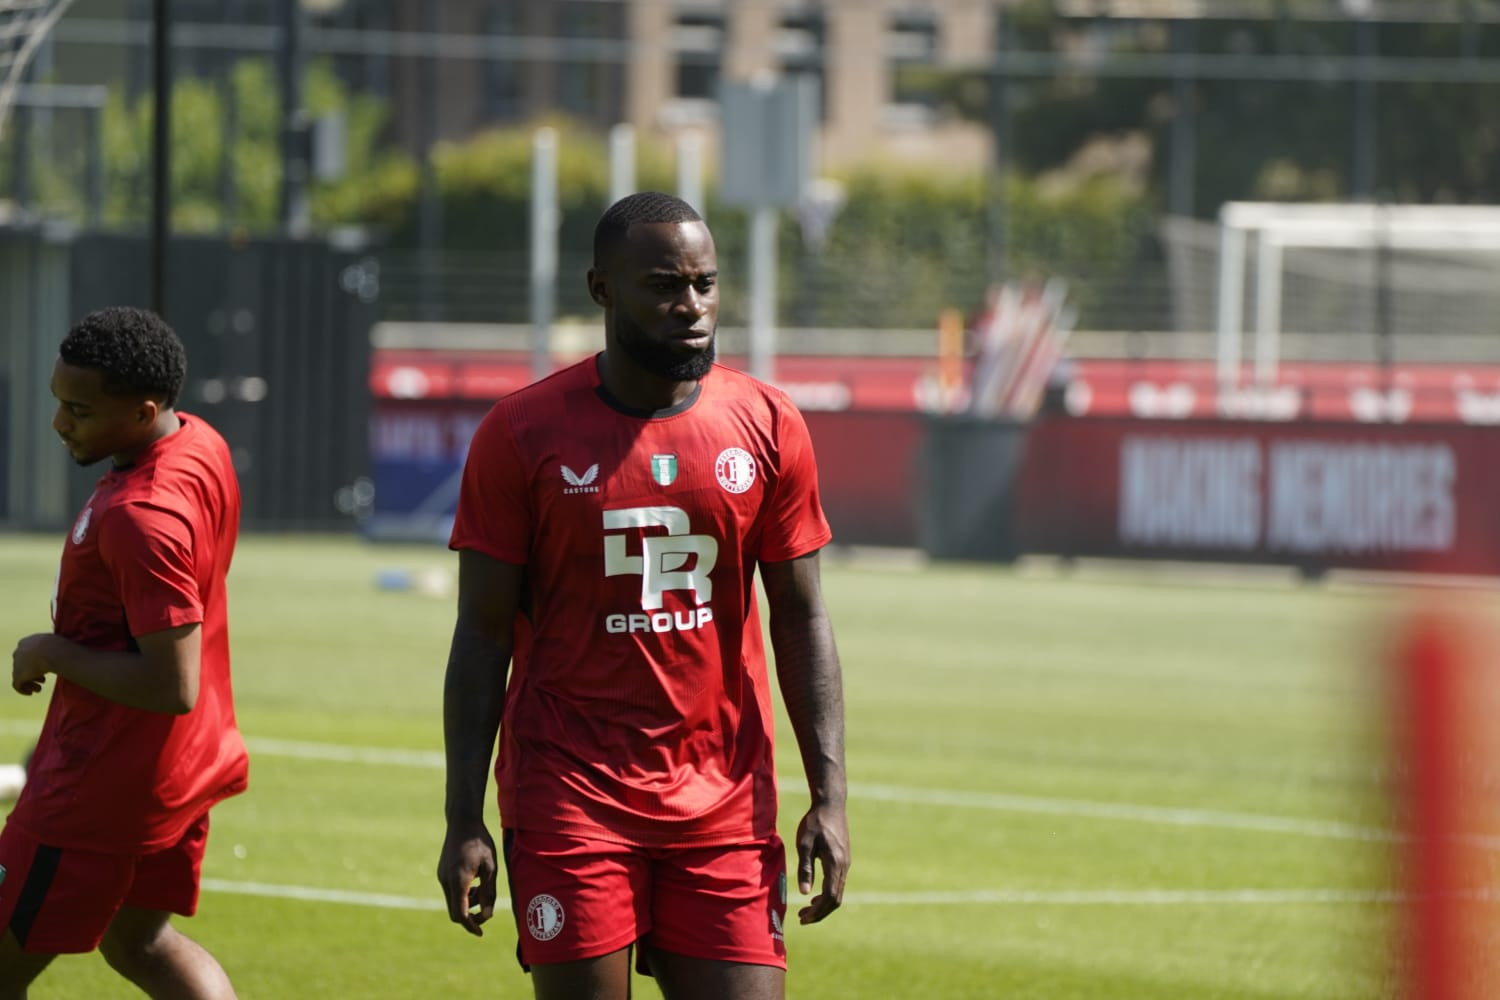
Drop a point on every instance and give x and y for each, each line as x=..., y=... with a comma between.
x=1163, y=815
x=998, y=802
x=947, y=798
x=309, y=894
x=302, y=750
x=980, y=897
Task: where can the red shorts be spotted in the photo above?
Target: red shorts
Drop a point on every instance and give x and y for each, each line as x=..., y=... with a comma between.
x=575, y=898
x=61, y=901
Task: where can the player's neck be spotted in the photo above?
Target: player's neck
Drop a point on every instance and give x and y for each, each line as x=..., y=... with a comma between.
x=637, y=388
x=167, y=422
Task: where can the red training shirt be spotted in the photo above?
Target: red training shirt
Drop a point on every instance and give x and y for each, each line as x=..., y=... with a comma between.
x=638, y=708
x=149, y=551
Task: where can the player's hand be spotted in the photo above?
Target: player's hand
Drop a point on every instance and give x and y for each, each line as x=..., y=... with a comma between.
x=822, y=838
x=468, y=855
x=29, y=665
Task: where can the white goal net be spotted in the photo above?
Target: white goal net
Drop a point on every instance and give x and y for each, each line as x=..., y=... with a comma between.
x=24, y=25
x=1346, y=282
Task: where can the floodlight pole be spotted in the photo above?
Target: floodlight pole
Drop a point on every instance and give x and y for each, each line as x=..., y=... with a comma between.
x=1000, y=138
x=161, y=163
x=690, y=171
x=621, y=161
x=762, y=281
x=545, y=217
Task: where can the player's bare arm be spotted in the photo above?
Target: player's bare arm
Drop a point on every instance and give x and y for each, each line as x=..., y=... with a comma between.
x=162, y=677
x=489, y=595
x=807, y=668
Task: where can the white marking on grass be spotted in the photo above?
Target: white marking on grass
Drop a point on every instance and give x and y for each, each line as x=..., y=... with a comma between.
x=1125, y=897
x=949, y=798
x=1163, y=815
x=302, y=750
x=979, y=897
x=998, y=802
x=309, y=894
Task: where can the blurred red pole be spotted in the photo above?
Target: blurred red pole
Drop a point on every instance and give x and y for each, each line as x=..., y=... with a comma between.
x=1451, y=750
x=1427, y=663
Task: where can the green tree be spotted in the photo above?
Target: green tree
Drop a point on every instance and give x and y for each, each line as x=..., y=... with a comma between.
x=238, y=118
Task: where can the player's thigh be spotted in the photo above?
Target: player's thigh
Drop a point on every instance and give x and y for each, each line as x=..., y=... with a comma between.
x=574, y=899
x=58, y=901
x=684, y=978
x=605, y=977
x=721, y=904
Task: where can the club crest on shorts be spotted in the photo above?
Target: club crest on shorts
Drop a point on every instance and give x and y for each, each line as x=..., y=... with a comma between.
x=544, y=917
x=735, y=468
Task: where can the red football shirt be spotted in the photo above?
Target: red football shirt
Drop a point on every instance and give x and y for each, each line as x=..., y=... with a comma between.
x=638, y=708
x=149, y=551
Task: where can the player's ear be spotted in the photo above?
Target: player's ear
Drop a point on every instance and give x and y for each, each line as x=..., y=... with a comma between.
x=598, y=287
x=147, y=411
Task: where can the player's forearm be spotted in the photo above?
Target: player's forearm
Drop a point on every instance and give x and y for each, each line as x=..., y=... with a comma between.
x=807, y=666
x=127, y=678
x=473, y=699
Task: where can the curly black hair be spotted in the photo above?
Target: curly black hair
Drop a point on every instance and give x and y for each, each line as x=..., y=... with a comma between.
x=138, y=353
x=641, y=207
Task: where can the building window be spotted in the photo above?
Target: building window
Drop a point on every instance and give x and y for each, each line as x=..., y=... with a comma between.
x=911, y=52
x=589, y=77
x=504, y=99
x=698, y=37
x=801, y=36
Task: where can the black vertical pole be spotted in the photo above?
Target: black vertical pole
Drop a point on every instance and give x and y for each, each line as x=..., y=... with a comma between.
x=429, y=205
x=1362, y=185
x=1385, y=345
x=229, y=94
x=1184, y=136
x=20, y=152
x=293, y=130
x=95, y=128
x=161, y=143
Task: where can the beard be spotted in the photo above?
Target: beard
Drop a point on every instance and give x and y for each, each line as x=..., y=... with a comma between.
x=659, y=358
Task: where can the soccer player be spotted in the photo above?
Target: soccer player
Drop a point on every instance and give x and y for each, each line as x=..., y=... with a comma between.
x=106, y=841
x=610, y=523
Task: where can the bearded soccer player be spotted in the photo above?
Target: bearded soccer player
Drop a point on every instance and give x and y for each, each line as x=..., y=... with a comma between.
x=106, y=841
x=610, y=524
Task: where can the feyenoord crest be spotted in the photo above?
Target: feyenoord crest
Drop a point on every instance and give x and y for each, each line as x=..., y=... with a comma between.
x=544, y=917
x=664, y=469
x=735, y=469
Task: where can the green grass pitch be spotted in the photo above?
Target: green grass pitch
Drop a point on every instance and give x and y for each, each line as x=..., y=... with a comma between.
x=1095, y=785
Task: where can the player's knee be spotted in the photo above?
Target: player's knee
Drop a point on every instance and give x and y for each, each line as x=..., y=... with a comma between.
x=17, y=967
x=135, y=947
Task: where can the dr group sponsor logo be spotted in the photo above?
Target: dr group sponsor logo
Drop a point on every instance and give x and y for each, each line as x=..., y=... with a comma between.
x=686, y=620
x=677, y=561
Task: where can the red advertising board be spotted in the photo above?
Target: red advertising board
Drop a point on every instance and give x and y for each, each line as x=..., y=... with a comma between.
x=1407, y=497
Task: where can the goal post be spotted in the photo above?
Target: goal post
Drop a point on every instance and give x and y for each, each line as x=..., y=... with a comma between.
x=1413, y=252
x=24, y=25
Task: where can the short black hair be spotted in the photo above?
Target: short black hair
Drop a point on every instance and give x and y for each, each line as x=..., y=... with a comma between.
x=138, y=353
x=642, y=207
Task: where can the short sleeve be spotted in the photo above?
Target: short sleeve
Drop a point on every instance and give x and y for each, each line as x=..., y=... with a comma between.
x=794, y=522
x=150, y=555
x=494, y=514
